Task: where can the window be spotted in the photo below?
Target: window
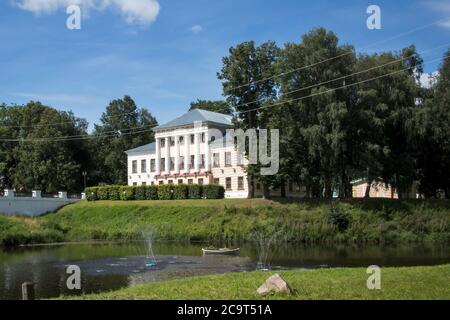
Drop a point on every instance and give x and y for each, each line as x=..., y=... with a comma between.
x=202, y=161
x=227, y=159
x=182, y=162
x=163, y=164
x=213, y=139
x=163, y=143
x=153, y=183
x=152, y=165
x=190, y=181
x=217, y=181
x=181, y=140
x=161, y=183
x=134, y=166
x=228, y=183
x=240, y=183
x=216, y=160
x=192, y=162
x=170, y=181
x=144, y=183
x=143, y=166
x=200, y=182
x=134, y=183
x=203, y=137
x=172, y=163
x=172, y=141
x=180, y=181
x=192, y=138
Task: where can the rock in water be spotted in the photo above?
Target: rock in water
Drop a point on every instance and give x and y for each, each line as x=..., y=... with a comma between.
x=274, y=284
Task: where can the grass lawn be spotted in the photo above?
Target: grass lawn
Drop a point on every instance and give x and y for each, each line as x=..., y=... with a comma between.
x=314, y=221
x=324, y=284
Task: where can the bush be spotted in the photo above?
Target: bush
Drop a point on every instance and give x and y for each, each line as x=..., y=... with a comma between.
x=165, y=192
x=141, y=193
x=213, y=192
x=102, y=193
x=127, y=193
x=338, y=218
x=114, y=192
x=180, y=192
x=91, y=193
x=195, y=191
x=151, y=193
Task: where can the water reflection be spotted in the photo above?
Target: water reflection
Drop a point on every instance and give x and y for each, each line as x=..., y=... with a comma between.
x=112, y=266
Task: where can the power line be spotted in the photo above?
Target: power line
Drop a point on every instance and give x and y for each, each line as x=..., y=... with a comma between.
x=347, y=76
x=336, y=57
x=263, y=107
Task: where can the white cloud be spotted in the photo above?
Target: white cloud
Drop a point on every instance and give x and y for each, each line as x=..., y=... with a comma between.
x=197, y=28
x=428, y=79
x=134, y=11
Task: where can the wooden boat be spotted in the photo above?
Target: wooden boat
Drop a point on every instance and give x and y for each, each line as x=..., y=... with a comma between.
x=224, y=251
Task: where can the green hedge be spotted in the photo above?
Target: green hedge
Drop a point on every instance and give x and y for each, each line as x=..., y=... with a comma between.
x=161, y=192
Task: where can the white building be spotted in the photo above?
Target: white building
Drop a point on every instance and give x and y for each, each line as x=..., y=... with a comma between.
x=191, y=149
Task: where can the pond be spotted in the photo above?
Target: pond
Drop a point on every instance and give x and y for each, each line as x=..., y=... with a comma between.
x=109, y=266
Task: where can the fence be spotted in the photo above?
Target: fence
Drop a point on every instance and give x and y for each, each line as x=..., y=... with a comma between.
x=35, y=203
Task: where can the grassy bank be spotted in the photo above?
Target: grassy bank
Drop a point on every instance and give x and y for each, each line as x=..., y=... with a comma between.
x=363, y=221
x=346, y=283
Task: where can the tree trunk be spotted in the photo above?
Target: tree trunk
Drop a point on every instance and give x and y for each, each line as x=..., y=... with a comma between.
x=266, y=191
x=367, y=193
x=283, y=189
x=251, y=189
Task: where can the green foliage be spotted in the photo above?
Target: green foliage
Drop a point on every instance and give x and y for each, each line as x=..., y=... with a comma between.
x=338, y=217
x=127, y=193
x=195, y=191
x=214, y=106
x=213, y=192
x=114, y=192
x=141, y=193
x=92, y=193
x=152, y=193
x=103, y=193
x=180, y=192
x=166, y=192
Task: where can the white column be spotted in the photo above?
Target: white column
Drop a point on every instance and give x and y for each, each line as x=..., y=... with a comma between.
x=177, y=155
x=167, y=159
x=187, y=158
x=197, y=153
x=158, y=157
x=207, y=151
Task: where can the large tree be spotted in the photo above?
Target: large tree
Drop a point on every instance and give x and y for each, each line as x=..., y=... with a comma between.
x=123, y=126
x=434, y=169
x=248, y=83
x=38, y=154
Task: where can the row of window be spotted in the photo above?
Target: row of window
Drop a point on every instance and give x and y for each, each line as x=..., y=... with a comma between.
x=216, y=163
x=228, y=182
x=181, y=140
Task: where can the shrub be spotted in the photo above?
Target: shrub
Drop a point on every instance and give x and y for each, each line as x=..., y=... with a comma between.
x=165, y=192
x=338, y=218
x=151, y=193
x=180, y=192
x=141, y=193
x=213, y=192
x=91, y=193
x=102, y=193
x=127, y=193
x=114, y=192
x=195, y=191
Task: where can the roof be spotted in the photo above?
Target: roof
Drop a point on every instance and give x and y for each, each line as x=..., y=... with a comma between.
x=198, y=115
x=148, y=148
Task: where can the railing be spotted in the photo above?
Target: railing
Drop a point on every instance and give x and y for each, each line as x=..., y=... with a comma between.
x=23, y=194
x=49, y=195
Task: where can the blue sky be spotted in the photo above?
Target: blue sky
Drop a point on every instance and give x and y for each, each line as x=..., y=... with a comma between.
x=166, y=53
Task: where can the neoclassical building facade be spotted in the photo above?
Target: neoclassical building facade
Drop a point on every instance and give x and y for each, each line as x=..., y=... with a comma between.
x=191, y=149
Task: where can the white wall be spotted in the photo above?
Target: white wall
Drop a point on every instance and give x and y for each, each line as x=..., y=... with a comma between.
x=31, y=206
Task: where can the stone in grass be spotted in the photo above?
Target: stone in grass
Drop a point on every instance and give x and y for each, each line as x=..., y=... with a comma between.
x=275, y=284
